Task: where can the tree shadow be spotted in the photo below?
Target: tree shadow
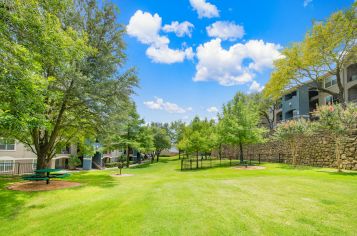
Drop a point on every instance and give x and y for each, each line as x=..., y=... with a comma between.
x=94, y=178
x=12, y=202
x=343, y=173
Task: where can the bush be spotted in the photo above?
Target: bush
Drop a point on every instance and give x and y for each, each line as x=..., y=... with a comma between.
x=73, y=162
x=111, y=164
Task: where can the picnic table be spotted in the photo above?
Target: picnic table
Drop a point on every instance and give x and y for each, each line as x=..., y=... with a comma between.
x=49, y=174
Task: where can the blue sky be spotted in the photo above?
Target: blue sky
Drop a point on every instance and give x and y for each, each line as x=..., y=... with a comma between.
x=192, y=56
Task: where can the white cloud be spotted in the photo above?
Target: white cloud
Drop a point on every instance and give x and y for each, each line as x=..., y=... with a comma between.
x=164, y=54
x=255, y=87
x=228, y=67
x=225, y=30
x=180, y=29
x=204, y=9
x=212, y=109
x=160, y=104
x=307, y=2
x=146, y=28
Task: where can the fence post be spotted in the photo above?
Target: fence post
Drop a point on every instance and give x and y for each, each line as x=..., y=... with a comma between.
x=259, y=158
x=181, y=164
x=191, y=164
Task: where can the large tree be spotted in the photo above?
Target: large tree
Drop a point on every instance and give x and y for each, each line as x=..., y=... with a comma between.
x=59, y=71
x=328, y=47
x=239, y=122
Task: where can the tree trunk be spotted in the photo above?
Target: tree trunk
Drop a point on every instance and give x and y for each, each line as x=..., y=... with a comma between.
x=179, y=154
x=341, y=91
x=241, y=157
x=197, y=159
x=42, y=162
x=157, y=156
x=220, y=151
x=127, y=156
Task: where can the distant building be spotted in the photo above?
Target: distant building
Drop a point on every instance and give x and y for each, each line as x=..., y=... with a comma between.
x=302, y=100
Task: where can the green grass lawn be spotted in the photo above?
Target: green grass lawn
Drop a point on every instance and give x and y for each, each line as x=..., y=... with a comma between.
x=161, y=200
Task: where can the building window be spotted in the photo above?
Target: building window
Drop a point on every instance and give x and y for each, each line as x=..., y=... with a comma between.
x=331, y=100
x=330, y=81
x=352, y=72
x=6, y=166
x=7, y=144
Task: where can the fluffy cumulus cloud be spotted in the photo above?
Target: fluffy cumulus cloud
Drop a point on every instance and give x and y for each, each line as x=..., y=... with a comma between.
x=255, y=87
x=230, y=67
x=225, y=30
x=160, y=104
x=204, y=9
x=212, y=109
x=307, y=2
x=146, y=28
x=180, y=29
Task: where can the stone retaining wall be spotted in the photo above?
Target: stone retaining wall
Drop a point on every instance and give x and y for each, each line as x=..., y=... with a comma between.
x=317, y=150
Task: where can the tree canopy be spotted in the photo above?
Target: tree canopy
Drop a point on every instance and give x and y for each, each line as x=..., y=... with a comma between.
x=327, y=48
x=59, y=71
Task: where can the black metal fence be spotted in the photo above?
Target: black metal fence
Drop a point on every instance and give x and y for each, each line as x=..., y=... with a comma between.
x=190, y=163
x=17, y=168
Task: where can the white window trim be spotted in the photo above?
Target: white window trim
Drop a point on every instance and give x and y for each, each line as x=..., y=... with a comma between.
x=14, y=150
x=13, y=166
x=331, y=79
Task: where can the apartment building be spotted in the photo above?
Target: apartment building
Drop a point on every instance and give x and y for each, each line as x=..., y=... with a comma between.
x=301, y=101
x=17, y=158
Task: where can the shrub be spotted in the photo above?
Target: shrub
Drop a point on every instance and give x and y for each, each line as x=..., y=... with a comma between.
x=73, y=162
x=291, y=132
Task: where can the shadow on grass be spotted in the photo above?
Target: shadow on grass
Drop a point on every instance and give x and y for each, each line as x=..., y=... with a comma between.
x=297, y=167
x=349, y=173
x=12, y=202
x=94, y=178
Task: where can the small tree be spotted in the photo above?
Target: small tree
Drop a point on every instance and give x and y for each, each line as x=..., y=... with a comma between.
x=161, y=140
x=338, y=122
x=239, y=122
x=292, y=132
x=120, y=166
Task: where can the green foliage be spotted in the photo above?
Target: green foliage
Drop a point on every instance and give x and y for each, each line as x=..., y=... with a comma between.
x=327, y=48
x=59, y=76
x=239, y=122
x=161, y=139
x=73, y=162
x=338, y=121
x=198, y=136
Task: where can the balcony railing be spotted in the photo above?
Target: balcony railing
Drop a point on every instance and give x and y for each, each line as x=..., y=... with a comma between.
x=352, y=98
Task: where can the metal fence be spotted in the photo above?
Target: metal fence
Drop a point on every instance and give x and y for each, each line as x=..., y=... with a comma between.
x=191, y=163
x=17, y=168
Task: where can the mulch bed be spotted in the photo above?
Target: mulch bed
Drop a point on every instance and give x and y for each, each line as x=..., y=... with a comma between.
x=122, y=175
x=250, y=167
x=32, y=186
